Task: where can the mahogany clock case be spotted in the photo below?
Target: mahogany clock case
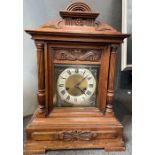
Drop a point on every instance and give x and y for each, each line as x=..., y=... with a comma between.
x=75, y=40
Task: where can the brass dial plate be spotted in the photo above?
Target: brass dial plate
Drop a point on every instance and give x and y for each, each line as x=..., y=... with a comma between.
x=75, y=85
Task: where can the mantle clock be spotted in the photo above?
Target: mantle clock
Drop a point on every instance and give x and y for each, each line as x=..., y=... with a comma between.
x=76, y=59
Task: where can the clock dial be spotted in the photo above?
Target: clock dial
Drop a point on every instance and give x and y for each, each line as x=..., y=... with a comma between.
x=76, y=85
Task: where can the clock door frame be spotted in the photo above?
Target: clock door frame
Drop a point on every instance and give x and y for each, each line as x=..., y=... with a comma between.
x=103, y=70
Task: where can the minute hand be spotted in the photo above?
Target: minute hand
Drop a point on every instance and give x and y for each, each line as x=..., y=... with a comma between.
x=81, y=81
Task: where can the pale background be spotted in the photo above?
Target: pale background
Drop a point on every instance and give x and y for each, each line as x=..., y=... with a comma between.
x=36, y=13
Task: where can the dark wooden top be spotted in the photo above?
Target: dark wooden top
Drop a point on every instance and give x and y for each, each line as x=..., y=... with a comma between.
x=77, y=20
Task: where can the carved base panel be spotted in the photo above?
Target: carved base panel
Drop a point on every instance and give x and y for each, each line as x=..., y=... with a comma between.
x=34, y=147
x=73, y=130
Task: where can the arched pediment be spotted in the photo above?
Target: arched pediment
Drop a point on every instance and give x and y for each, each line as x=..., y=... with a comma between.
x=78, y=14
x=78, y=7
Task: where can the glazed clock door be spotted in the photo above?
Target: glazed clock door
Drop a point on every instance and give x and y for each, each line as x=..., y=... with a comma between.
x=76, y=85
x=77, y=76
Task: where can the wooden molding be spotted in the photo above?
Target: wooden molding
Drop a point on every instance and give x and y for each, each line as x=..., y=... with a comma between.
x=79, y=14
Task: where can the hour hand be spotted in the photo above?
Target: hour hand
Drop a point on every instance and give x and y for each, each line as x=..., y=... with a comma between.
x=67, y=88
x=83, y=91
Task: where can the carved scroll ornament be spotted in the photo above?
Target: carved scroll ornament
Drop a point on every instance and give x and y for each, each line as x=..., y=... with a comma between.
x=76, y=135
x=57, y=24
x=103, y=27
x=77, y=54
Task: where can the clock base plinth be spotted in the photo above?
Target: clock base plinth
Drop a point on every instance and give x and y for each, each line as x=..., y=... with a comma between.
x=34, y=147
x=73, y=128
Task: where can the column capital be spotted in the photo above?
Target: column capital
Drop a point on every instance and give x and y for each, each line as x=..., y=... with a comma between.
x=39, y=45
x=114, y=48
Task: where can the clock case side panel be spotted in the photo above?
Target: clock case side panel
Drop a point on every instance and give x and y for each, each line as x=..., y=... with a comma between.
x=103, y=72
x=49, y=73
x=103, y=78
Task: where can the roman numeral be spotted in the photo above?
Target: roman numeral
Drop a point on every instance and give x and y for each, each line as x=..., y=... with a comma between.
x=68, y=98
x=69, y=72
x=63, y=92
x=76, y=70
x=61, y=85
x=75, y=99
x=89, y=78
x=91, y=85
x=62, y=77
x=83, y=98
x=88, y=92
x=84, y=72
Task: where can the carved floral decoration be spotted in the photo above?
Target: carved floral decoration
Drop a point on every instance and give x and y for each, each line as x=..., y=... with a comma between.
x=77, y=54
x=76, y=135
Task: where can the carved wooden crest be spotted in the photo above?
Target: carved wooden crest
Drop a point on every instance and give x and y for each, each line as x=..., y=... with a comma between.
x=78, y=14
x=77, y=54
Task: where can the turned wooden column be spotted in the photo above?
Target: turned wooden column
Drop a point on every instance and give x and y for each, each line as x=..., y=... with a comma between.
x=41, y=79
x=110, y=89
